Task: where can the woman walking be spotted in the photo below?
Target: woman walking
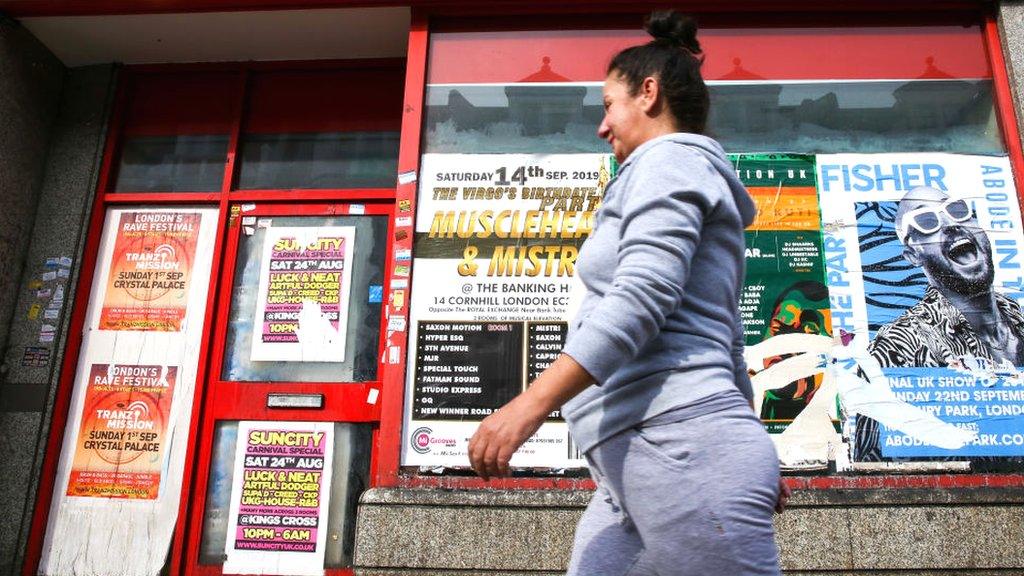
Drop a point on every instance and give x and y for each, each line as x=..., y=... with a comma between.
x=652, y=377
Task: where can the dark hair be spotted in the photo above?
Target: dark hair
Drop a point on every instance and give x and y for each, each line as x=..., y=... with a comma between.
x=674, y=57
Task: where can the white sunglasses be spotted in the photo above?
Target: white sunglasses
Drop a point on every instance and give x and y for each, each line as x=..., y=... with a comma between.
x=926, y=219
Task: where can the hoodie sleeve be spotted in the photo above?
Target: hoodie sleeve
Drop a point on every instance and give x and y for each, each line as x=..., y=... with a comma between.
x=670, y=192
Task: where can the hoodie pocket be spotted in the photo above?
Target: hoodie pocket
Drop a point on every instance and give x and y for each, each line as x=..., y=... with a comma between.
x=666, y=444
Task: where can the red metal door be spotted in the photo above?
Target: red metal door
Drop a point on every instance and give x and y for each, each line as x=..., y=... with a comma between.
x=245, y=385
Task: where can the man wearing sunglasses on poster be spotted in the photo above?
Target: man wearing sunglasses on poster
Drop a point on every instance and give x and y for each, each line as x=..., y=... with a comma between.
x=961, y=314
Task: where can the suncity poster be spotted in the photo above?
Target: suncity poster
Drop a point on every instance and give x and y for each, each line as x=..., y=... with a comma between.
x=151, y=265
x=304, y=290
x=121, y=446
x=495, y=250
x=923, y=259
x=279, y=498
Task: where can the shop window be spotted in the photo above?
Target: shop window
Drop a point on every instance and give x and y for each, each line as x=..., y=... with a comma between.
x=360, y=315
x=786, y=90
x=828, y=128
x=322, y=129
x=175, y=133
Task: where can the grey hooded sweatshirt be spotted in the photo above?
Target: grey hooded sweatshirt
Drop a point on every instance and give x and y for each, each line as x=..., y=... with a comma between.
x=659, y=327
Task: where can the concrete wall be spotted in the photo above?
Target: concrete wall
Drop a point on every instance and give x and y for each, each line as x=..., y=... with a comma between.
x=30, y=85
x=68, y=187
x=446, y=533
x=51, y=136
x=1011, y=30
x=29, y=95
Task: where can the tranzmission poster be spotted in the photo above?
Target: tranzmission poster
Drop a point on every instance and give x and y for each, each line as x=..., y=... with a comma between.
x=493, y=290
x=923, y=258
x=152, y=261
x=120, y=452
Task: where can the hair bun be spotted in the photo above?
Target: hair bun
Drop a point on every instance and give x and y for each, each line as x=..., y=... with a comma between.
x=674, y=28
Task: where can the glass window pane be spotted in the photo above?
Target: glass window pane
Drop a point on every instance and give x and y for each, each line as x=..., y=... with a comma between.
x=362, y=318
x=856, y=116
x=319, y=160
x=308, y=129
x=806, y=90
x=349, y=478
x=183, y=163
x=807, y=117
x=175, y=133
x=861, y=53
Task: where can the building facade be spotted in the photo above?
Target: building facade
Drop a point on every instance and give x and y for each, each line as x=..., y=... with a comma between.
x=270, y=264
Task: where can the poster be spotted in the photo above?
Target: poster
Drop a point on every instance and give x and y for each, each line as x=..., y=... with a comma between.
x=121, y=446
x=150, y=270
x=923, y=259
x=279, y=498
x=784, y=290
x=304, y=291
x=496, y=242
x=122, y=458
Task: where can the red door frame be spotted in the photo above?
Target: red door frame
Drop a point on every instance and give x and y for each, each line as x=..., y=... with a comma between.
x=375, y=200
x=343, y=402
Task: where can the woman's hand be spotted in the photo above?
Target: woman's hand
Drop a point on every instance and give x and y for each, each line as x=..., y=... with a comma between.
x=784, y=493
x=502, y=433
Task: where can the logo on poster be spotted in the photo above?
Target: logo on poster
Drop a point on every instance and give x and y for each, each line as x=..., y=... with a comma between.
x=421, y=440
x=163, y=257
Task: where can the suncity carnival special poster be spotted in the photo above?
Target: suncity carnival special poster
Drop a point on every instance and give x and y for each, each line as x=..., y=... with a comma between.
x=495, y=250
x=304, y=291
x=279, y=498
x=150, y=270
x=121, y=447
x=923, y=260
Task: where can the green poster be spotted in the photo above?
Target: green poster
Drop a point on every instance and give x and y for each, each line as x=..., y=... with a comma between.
x=784, y=291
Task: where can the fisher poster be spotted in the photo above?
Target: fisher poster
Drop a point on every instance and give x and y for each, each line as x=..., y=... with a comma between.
x=279, y=497
x=304, y=290
x=923, y=260
x=494, y=287
x=120, y=451
x=150, y=269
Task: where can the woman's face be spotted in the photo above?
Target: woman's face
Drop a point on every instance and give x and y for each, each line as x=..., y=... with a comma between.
x=625, y=117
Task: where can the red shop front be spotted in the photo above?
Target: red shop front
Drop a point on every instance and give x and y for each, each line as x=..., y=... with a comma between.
x=305, y=282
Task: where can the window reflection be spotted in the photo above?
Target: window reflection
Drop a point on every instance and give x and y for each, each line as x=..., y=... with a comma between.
x=319, y=160
x=181, y=163
x=747, y=115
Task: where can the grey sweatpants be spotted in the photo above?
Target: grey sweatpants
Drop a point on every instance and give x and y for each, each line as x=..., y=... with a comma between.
x=682, y=496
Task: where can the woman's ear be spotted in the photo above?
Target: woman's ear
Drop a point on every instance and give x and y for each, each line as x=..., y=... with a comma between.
x=649, y=92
